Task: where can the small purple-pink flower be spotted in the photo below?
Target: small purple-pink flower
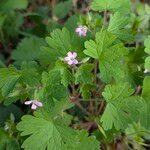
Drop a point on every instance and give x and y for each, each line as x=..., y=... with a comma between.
x=34, y=104
x=81, y=30
x=71, y=58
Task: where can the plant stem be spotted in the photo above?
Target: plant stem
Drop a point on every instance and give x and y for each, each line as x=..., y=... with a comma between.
x=81, y=107
x=100, y=108
x=95, y=71
x=105, y=17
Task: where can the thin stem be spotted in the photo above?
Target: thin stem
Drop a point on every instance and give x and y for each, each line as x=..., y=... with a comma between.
x=3, y=39
x=95, y=71
x=105, y=18
x=81, y=107
x=73, y=84
x=100, y=108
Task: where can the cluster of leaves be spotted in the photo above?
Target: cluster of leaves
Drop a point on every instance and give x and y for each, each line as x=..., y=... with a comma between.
x=85, y=106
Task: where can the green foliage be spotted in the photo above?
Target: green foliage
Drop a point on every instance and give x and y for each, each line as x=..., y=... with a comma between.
x=118, y=26
x=7, y=142
x=60, y=137
x=145, y=119
x=117, y=5
x=62, y=9
x=29, y=73
x=83, y=74
x=119, y=111
x=27, y=50
x=111, y=55
x=7, y=5
x=147, y=50
x=8, y=79
x=103, y=98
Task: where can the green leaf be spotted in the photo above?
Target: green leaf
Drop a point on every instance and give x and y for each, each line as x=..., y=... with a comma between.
x=7, y=5
x=8, y=79
x=118, y=21
x=71, y=23
x=147, y=50
x=147, y=63
x=60, y=43
x=147, y=45
x=29, y=73
x=7, y=142
x=103, y=40
x=119, y=111
x=59, y=137
x=84, y=74
x=117, y=26
x=111, y=5
x=66, y=76
x=85, y=90
x=2, y=20
x=145, y=119
x=111, y=56
x=59, y=107
x=27, y=50
x=6, y=111
x=53, y=87
x=38, y=127
x=84, y=142
x=62, y=9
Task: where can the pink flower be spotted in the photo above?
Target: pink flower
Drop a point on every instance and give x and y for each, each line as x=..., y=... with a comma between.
x=81, y=30
x=34, y=104
x=71, y=58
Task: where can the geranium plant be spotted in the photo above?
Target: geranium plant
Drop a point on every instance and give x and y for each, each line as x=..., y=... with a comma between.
x=84, y=86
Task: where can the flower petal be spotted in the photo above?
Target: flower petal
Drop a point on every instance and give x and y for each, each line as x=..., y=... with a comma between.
x=70, y=62
x=28, y=102
x=75, y=62
x=33, y=107
x=70, y=54
x=74, y=54
x=66, y=58
x=39, y=104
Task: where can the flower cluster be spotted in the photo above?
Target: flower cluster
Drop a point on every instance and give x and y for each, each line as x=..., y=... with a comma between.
x=71, y=58
x=81, y=30
x=34, y=104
